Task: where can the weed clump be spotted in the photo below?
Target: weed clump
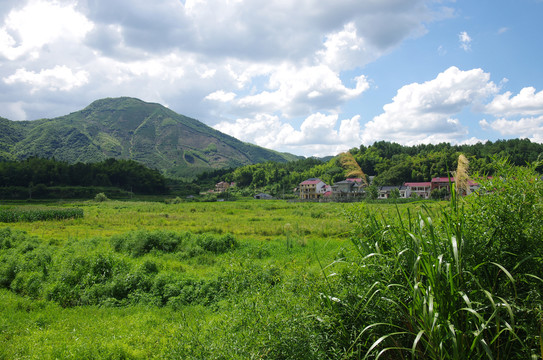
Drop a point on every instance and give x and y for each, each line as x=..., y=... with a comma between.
x=139, y=243
x=101, y=197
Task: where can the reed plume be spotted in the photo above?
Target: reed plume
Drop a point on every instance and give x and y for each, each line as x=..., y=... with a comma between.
x=461, y=176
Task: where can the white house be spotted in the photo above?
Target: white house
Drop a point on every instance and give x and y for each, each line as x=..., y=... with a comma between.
x=312, y=189
x=421, y=189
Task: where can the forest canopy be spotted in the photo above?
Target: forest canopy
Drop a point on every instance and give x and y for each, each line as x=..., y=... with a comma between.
x=387, y=163
x=384, y=163
x=128, y=175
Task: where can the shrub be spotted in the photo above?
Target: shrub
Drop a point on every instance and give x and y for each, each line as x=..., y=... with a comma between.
x=101, y=197
x=217, y=244
x=139, y=243
x=461, y=284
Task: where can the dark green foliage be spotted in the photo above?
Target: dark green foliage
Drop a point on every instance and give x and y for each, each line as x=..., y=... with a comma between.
x=506, y=220
x=82, y=274
x=217, y=244
x=187, y=244
x=41, y=178
x=9, y=215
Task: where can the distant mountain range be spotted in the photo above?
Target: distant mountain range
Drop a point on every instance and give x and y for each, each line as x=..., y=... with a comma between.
x=128, y=128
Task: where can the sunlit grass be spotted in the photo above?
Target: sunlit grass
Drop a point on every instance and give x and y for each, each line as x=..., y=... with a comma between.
x=247, y=219
x=263, y=293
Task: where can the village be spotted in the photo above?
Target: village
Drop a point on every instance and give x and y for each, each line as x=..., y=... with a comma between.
x=354, y=189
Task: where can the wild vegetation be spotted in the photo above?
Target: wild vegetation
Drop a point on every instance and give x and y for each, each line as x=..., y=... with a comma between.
x=464, y=282
x=17, y=214
x=272, y=279
x=154, y=280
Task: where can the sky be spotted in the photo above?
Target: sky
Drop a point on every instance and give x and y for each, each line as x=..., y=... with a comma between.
x=309, y=77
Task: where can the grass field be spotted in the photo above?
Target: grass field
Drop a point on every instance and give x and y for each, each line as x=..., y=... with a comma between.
x=263, y=291
x=277, y=280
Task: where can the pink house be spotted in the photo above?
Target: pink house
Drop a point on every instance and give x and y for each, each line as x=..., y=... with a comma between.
x=312, y=189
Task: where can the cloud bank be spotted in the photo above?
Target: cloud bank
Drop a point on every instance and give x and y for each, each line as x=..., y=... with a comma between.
x=276, y=73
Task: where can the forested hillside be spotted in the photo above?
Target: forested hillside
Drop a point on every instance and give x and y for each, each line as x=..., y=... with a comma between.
x=128, y=128
x=386, y=163
x=389, y=164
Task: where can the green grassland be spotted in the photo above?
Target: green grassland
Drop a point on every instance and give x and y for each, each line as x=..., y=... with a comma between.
x=278, y=280
x=254, y=299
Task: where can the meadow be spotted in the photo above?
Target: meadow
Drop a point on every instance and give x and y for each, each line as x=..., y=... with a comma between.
x=238, y=280
x=276, y=280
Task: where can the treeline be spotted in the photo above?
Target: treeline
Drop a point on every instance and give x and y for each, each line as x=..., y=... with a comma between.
x=388, y=163
x=393, y=164
x=42, y=174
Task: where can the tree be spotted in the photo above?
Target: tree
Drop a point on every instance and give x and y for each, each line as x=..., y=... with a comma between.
x=259, y=178
x=372, y=192
x=351, y=167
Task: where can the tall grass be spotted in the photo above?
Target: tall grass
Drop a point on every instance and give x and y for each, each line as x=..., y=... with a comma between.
x=444, y=285
x=10, y=215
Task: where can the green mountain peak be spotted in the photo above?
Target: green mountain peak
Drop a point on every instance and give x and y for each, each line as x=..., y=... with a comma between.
x=129, y=128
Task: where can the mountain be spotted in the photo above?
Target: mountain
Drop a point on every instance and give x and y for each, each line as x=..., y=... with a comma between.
x=129, y=128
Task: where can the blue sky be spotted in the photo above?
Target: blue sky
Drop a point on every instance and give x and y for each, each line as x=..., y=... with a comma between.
x=307, y=77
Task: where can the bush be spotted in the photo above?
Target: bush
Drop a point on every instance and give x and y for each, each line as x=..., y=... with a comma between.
x=100, y=197
x=139, y=243
x=217, y=244
x=461, y=284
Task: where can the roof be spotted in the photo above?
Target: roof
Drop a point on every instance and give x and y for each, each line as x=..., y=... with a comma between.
x=413, y=184
x=344, y=182
x=442, y=179
x=358, y=180
x=311, y=181
x=389, y=188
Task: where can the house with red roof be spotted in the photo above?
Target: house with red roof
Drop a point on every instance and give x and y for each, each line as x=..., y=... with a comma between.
x=312, y=188
x=420, y=189
x=441, y=182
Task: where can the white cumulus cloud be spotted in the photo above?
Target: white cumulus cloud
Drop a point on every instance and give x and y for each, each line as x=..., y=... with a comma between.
x=528, y=127
x=319, y=134
x=220, y=95
x=39, y=23
x=58, y=78
x=425, y=112
x=465, y=41
x=293, y=91
x=526, y=102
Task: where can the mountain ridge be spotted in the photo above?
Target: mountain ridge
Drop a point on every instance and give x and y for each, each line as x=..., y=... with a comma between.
x=130, y=128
